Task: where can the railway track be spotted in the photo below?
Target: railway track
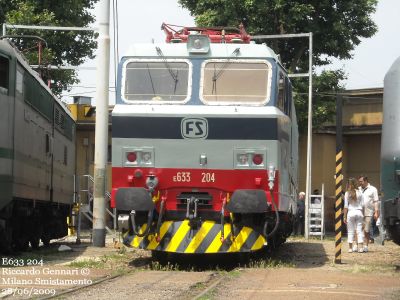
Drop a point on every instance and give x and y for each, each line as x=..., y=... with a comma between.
x=148, y=284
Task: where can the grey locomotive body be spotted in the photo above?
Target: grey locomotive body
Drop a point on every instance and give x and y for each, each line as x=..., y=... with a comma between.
x=204, y=145
x=37, y=156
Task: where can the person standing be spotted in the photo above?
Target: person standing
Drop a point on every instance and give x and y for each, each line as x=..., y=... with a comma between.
x=353, y=215
x=371, y=206
x=299, y=220
x=316, y=199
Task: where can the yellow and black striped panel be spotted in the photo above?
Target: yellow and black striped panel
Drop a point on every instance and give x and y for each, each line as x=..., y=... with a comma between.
x=179, y=237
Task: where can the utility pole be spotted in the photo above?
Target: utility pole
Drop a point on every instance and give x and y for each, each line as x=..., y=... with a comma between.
x=101, y=135
x=309, y=132
x=309, y=141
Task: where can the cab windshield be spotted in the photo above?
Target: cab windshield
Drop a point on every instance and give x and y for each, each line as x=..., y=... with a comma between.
x=231, y=81
x=166, y=81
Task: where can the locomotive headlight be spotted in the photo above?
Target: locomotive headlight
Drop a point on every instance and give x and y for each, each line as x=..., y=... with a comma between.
x=138, y=157
x=248, y=158
x=243, y=159
x=198, y=43
x=146, y=158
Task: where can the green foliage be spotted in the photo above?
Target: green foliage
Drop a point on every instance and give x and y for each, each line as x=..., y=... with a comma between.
x=63, y=47
x=337, y=27
x=325, y=87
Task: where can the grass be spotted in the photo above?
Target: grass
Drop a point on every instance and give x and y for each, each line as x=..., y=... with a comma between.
x=157, y=266
x=299, y=238
x=117, y=263
x=89, y=263
x=394, y=295
x=270, y=263
x=370, y=268
x=234, y=273
x=208, y=296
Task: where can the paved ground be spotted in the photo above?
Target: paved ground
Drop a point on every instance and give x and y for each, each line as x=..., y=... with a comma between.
x=313, y=275
x=287, y=283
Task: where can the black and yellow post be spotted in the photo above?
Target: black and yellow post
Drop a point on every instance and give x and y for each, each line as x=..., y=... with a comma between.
x=338, y=185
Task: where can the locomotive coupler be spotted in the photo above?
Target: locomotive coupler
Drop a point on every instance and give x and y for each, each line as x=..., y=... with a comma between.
x=191, y=208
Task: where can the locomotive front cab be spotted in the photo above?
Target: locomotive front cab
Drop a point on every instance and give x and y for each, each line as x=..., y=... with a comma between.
x=200, y=151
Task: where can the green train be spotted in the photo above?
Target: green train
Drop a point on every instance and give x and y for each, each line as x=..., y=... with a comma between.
x=37, y=156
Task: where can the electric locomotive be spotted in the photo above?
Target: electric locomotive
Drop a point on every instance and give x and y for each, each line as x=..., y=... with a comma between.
x=390, y=152
x=204, y=144
x=37, y=156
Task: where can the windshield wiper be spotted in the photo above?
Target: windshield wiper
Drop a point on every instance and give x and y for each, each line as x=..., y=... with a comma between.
x=218, y=73
x=173, y=75
x=151, y=80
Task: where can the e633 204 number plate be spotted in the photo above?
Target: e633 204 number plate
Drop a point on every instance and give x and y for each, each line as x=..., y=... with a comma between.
x=206, y=177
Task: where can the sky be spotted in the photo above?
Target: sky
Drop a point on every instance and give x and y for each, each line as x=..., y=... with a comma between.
x=140, y=21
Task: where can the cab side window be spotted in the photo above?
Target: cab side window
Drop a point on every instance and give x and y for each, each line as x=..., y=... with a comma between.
x=281, y=92
x=4, y=71
x=284, y=94
x=19, y=81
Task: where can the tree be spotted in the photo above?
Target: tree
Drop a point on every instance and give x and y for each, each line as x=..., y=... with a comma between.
x=63, y=47
x=337, y=27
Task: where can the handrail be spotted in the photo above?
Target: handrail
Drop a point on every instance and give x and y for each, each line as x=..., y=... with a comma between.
x=88, y=215
x=107, y=193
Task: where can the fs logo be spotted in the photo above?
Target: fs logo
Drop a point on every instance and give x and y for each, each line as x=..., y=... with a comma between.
x=194, y=128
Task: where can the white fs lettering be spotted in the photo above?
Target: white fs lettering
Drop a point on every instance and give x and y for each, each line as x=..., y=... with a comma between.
x=194, y=128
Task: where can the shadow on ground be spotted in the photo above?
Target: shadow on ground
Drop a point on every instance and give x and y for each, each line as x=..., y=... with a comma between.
x=290, y=254
x=302, y=254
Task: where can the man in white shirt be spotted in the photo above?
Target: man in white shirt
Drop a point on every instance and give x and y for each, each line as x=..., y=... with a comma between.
x=371, y=206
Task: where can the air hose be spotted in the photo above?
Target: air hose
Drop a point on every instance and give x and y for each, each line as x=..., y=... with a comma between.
x=159, y=221
x=149, y=221
x=268, y=235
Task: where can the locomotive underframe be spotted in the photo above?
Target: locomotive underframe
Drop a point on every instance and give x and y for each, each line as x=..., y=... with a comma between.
x=25, y=222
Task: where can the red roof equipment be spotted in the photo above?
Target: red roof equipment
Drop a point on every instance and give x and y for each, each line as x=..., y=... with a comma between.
x=216, y=34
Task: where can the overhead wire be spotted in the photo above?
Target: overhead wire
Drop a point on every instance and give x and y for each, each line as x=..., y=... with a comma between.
x=116, y=55
x=346, y=95
x=84, y=93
